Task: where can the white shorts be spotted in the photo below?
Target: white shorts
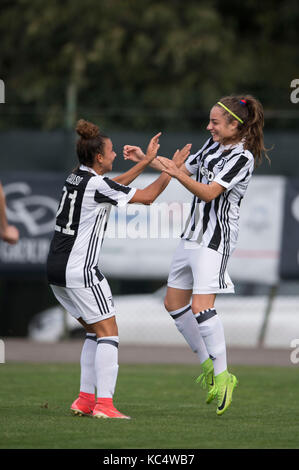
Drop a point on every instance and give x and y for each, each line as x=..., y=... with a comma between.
x=199, y=268
x=92, y=304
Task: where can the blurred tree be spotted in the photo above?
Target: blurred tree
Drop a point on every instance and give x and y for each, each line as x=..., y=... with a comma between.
x=268, y=38
x=133, y=63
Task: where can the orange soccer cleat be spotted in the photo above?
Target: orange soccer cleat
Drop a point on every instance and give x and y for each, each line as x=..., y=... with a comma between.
x=84, y=404
x=105, y=409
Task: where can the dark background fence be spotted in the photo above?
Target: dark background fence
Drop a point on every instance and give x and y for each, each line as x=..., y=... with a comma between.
x=33, y=150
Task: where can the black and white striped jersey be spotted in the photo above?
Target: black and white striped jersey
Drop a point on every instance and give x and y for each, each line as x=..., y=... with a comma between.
x=81, y=222
x=216, y=224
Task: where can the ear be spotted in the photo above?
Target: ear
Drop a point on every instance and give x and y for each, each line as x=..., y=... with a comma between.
x=234, y=124
x=99, y=158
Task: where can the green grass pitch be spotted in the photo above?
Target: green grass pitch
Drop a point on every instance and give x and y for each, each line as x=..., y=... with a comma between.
x=167, y=407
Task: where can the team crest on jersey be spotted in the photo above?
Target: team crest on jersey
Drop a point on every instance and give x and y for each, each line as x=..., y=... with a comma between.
x=221, y=163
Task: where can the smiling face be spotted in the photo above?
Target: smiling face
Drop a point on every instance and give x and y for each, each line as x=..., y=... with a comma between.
x=222, y=130
x=105, y=161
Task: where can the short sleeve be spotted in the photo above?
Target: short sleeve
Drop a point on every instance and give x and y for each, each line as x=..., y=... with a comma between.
x=110, y=191
x=235, y=170
x=191, y=164
x=192, y=161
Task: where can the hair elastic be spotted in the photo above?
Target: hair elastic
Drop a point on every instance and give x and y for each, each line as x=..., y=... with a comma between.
x=230, y=112
x=243, y=102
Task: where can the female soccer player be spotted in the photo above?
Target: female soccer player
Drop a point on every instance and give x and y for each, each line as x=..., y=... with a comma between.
x=72, y=266
x=222, y=170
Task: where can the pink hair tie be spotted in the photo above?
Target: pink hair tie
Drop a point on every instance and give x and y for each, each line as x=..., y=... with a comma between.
x=243, y=102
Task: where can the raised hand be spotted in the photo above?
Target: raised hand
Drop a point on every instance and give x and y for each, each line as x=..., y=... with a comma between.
x=180, y=156
x=133, y=153
x=153, y=147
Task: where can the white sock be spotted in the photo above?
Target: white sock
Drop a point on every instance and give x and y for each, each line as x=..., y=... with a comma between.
x=211, y=329
x=106, y=365
x=88, y=379
x=187, y=325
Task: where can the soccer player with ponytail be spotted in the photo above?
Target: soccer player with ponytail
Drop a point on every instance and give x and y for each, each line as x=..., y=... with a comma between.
x=222, y=169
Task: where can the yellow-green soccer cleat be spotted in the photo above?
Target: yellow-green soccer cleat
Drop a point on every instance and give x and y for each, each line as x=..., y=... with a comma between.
x=225, y=383
x=207, y=380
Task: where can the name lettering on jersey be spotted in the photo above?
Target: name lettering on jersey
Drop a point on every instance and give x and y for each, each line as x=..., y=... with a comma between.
x=207, y=173
x=74, y=179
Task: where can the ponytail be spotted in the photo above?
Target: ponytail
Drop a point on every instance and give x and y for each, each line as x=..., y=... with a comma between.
x=250, y=123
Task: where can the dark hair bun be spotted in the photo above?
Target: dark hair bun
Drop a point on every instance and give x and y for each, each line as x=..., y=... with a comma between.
x=87, y=130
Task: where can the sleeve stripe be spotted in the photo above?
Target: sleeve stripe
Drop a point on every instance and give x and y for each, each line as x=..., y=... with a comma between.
x=235, y=169
x=193, y=162
x=102, y=199
x=116, y=186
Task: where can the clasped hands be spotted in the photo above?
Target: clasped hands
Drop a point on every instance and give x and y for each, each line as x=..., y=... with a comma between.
x=171, y=167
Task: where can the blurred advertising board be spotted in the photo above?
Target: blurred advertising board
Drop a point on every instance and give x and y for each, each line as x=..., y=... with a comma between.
x=256, y=257
x=289, y=262
x=32, y=201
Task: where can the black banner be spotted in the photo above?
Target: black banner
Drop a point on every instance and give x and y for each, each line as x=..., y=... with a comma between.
x=289, y=259
x=32, y=202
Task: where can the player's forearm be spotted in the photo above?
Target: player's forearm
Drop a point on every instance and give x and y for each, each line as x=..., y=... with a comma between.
x=201, y=190
x=130, y=175
x=157, y=187
x=156, y=165
x=149, y=194
x=3, y=219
